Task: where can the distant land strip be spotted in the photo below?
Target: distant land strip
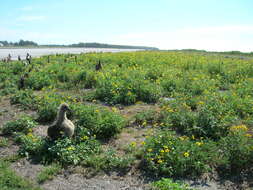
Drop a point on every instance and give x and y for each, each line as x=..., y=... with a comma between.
x=26, y=43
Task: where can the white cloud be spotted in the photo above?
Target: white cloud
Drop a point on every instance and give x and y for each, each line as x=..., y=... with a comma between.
x=213, y=38
x=31, y=18
x=39, y=37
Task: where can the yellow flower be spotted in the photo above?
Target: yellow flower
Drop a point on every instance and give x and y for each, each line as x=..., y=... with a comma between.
x=133, y=144
x=239, y=128
x=30, y=135
x=150, y=150
x=193, y=137
x=143, y=143
x=30, y=130
x=70, y=148
x=199, y=143
x=159, y=161
x=248, y=135
x=182, y=138
x=144, y=123
x=96, y=111
x=129, y=93
x=155, y=124
x=200, y=103
x=85, y=138
x=169, y=109
x=162, y=151
x=167, y=150
x=186, y=154
x=114, y=109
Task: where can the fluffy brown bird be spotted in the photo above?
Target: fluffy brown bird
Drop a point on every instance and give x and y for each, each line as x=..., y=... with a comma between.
x=62, y=125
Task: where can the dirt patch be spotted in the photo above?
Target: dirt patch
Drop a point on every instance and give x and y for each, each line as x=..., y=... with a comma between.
x=130, y=111
x=9, y=150
x=78, y=182
x=27, y=169
x=9, y=112
x=130, y=135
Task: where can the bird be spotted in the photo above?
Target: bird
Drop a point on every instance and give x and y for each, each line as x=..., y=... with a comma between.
x=62, y=126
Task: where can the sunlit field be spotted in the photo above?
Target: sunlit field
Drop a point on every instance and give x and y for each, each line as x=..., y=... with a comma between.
x=186, y=113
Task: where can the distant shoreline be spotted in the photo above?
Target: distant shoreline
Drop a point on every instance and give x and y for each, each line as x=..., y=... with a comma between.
x=43, y=51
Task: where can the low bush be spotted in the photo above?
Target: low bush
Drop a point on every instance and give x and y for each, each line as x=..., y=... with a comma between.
x=38, y=80
x=65, y=151
x=100, y=122
x=237, y=149
x=167, y=154
x=25, y=98
x=168, y=184
x=24, y=125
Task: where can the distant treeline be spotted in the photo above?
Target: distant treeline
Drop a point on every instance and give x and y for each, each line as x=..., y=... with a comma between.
x=98, y=45
x=22, y=43
x=17, y=44
x=221, y=52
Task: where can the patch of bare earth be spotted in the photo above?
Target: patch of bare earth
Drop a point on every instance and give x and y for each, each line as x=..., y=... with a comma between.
x=10, y=112
x=9, y=150
x=27, y=169
x=79, y=182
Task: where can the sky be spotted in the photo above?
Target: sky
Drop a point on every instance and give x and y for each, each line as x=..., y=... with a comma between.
x=213, y=25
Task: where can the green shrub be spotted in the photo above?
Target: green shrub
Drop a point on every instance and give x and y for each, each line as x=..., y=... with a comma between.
x=109, y=161
x=25, y=98
x=146, y=117
x=47, y=112
x=211, y=118
x=237, y=149
x=24, y=125
x=127, y=91
x=168, y=184
x=100, y=122
x=39, y=80
x=65, y=151
x=166, y=154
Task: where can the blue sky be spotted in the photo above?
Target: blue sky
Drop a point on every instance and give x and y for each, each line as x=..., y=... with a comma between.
x=219, y=25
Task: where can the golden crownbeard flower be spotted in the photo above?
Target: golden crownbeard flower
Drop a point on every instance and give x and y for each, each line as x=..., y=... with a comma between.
x=186, y=154
x=167, y=150
x=85, y=138
x=71, y=148
x=239, y=128
x=199, y=143
x=150, y=150
x=133, y=144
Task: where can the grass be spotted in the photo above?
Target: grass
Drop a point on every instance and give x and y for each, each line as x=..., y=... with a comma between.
x=168, y=184
x=48, y=173
x=4, y=142
x=10, y=181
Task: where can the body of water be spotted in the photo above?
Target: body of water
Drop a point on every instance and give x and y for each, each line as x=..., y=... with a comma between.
x=37, y=52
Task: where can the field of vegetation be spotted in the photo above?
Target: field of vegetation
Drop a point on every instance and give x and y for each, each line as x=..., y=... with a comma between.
x=163, y=114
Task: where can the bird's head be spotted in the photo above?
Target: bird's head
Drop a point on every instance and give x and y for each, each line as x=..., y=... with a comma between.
x=64, y=107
